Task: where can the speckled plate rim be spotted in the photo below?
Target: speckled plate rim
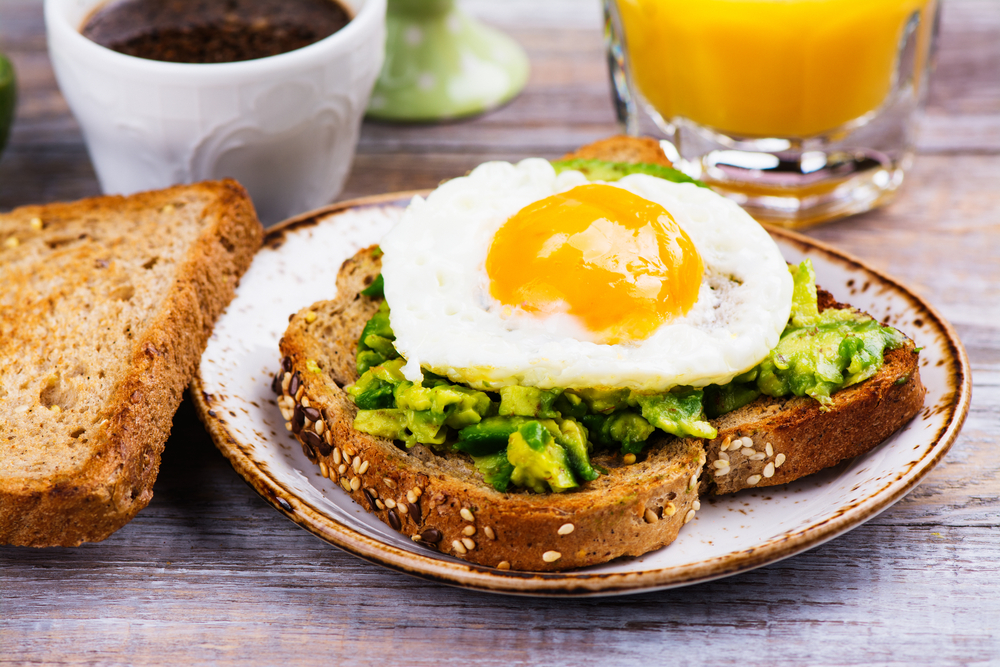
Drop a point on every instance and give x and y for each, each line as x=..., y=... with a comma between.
x=562, y=584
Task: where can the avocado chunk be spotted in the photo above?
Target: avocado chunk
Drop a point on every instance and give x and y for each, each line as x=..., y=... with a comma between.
x=626, y=429
x=678, y=411
x=722, y=399
x=377, y=289
x=388, y=423
x=406, y=425
x=528, y=402
x=602, y=170
x=495, y=468
x=819, y=353
x=375, y=344
x=489, y=436
x=375, y=388
x=603, y=400
x=572, y=436
x=492, y=435
x=539, y=462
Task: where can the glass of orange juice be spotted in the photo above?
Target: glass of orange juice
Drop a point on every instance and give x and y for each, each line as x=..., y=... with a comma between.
x=802, y=111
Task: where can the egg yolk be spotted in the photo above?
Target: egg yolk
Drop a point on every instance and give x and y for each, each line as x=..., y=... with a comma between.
x=617, y=262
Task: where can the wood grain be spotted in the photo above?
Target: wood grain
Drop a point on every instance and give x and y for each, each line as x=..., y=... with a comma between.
x=209, y=573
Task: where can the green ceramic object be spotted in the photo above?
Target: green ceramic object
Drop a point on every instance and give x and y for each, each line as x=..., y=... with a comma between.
x=441, y=64
x=8, y=99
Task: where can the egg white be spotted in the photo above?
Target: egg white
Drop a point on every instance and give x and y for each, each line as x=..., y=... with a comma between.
x=445, y=319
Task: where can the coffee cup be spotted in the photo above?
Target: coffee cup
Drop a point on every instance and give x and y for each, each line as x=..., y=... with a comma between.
x=285, y=126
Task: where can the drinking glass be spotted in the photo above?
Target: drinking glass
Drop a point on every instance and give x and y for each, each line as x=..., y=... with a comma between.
x=802, y=111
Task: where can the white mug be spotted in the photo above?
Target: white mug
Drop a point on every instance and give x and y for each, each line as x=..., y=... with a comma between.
x=284, y=126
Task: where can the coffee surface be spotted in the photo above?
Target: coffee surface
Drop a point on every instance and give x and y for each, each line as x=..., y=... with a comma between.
x=212, y=31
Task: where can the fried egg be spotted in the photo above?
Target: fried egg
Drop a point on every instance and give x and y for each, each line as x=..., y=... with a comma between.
x=516, y=275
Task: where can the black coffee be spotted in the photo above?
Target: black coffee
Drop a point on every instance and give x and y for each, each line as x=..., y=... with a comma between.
x=212, y=31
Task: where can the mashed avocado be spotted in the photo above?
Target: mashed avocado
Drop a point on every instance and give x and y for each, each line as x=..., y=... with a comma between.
x=539, y=463
x=541, y=439
x=486, y=425
x=818, y=353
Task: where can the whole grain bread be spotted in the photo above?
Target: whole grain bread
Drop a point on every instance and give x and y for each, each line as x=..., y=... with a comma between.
x=441, y=501
x=105, y=308
x=778, y=440
x=622, y=149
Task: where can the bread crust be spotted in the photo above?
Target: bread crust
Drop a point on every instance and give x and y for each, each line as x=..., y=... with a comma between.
x=622, y=148
x=441, y=501
x=90, y=501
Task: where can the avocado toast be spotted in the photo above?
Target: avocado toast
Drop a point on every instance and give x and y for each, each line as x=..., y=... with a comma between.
x=643, y=494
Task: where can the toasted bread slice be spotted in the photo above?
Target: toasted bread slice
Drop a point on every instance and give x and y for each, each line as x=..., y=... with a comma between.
x=441, y=501
x=778, y=440
x=106, y=307
x=621, y=148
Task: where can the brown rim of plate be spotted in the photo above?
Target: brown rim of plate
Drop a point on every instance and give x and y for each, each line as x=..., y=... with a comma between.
x=566, y=584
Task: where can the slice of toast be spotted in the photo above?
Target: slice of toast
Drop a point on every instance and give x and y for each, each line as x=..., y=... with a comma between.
x=622, y=149
x=783, y=439
x=105, y=309
x=442, y=501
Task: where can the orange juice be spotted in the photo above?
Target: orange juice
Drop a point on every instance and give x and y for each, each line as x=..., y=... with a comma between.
x=770, y=68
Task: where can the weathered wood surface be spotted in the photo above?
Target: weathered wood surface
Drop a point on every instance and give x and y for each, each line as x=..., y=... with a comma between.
x=209, y=573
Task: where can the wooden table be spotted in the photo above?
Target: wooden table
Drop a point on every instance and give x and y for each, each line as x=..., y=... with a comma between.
x=210, y=573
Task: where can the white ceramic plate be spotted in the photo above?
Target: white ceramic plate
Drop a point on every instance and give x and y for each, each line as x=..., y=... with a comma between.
x=298, y=266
